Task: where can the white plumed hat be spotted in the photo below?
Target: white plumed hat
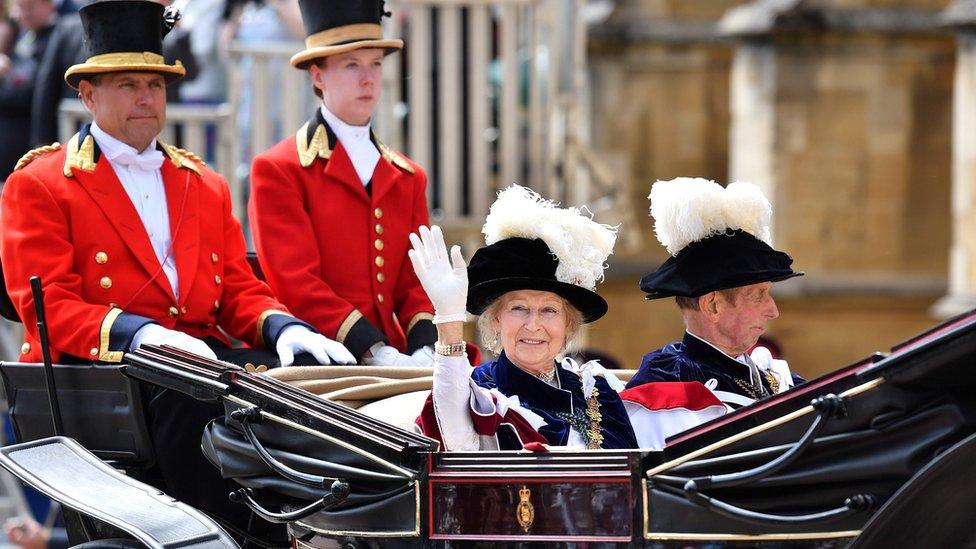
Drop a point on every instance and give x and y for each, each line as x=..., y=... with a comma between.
x=531, y=243
x=718, y=238
x=689, y=209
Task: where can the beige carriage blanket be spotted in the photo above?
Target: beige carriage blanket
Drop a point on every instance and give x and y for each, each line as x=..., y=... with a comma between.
x=391, y=394
x=356, y=386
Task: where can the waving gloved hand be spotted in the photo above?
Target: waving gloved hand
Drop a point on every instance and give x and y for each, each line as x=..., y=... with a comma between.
x=155, y=334
x=446, y=285
x=296, y=339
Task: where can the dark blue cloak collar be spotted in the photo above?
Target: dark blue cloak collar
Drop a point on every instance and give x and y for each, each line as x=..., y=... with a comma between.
x=548, y=401
x=701, y=351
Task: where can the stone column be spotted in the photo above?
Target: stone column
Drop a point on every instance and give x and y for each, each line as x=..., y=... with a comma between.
x=752, y=99
x=962, y=254
x=752, y=94
x=840, y=111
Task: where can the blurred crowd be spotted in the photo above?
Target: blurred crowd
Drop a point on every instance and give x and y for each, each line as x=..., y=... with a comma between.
x=40, y=39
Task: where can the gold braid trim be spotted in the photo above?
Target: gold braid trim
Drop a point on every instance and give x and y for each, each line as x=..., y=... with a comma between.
x=347, y=325
x=183, y=158
x=105, y=335
x=318, y=147
x=392, y=156
x=262, y=318
x=595, y=438
x=417, y=318
x=81, y=157
x=36, y=153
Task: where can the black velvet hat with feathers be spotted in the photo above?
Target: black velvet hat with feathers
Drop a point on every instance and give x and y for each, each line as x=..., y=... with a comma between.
x=531, y=244
x=718, y=238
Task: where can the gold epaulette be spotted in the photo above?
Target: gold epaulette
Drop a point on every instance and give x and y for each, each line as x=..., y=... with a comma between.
x=40, y=151
x=79, y=155
x=393, y=157
x=183, y=158
x=317, y=147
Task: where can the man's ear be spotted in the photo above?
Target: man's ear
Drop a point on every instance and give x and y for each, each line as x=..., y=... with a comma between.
x=85, y=90
x=710, y=305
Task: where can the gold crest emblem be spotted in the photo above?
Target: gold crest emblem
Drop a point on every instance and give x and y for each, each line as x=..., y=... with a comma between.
x=525, y=512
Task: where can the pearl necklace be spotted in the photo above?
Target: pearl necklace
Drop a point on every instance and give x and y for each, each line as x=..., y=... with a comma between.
x=547, y=377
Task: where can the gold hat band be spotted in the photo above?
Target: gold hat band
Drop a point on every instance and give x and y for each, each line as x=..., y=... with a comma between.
x=126, y=58
x=338, y=35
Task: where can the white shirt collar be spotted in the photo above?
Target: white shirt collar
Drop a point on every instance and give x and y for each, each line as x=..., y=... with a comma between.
x=345, y=132
x=111, y=146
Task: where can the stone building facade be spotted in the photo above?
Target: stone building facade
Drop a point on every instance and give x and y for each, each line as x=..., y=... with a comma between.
x=843, y=111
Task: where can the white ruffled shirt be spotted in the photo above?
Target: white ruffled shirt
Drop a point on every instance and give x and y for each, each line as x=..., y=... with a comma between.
x=356, y=140
x=144, y=185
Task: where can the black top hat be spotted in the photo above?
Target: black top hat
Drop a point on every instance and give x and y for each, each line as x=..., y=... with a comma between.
x=338, y=26
x=125, y=35
x=728, y=260
x=524, y=264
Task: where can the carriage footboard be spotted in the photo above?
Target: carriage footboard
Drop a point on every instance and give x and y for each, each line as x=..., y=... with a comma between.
x=68, y=473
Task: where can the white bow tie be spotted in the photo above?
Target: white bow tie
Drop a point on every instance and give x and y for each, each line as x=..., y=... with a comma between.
x=147, y=161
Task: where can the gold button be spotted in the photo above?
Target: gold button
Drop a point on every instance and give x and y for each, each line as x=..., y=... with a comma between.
x=183, y=309
x=217, y=279
x=378, y=213
x=379, y=229
x=105, y=282
x=173, y=311
x=93, y=351
x=216, y=304
x=209, y=325
x=380, y=278
x=378, y=244
x=101, y=258
x=214, y=257
x=379, y=261
x=25, y=348
x=380, y=298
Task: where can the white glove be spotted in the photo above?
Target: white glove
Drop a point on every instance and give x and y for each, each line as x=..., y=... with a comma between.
x=390, y=356
x=154, y=334
x=424, y=355
x=446, y=286
x=295, y=339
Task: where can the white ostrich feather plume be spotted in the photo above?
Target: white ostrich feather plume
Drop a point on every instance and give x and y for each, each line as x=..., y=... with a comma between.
x=581, y=245
x=689, y=209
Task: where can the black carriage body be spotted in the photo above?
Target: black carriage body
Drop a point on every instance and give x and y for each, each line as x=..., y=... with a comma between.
x=782, y=472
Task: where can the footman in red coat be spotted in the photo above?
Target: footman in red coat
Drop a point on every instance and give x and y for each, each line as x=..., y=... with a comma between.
x=332, y=207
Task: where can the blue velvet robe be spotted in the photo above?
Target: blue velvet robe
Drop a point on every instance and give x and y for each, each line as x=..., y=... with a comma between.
x=691, y=359
x=552, y=402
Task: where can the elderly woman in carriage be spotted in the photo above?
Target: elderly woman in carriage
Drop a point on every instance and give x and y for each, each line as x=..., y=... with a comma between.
x=532, y=287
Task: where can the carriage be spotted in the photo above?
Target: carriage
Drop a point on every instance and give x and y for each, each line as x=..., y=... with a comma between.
x=876, y=453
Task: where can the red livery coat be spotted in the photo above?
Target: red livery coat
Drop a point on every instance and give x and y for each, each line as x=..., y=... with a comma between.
x=66, y=217
x=335, y=255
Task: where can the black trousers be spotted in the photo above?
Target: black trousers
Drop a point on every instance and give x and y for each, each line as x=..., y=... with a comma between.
x=176, y=423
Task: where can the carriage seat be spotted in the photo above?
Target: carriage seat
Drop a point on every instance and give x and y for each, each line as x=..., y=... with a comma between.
x=100, y=407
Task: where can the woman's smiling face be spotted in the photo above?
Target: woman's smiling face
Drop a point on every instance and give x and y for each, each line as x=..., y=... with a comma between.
x=532, y=325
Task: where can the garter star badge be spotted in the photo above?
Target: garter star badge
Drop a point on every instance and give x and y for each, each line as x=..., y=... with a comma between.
x=525, y=512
